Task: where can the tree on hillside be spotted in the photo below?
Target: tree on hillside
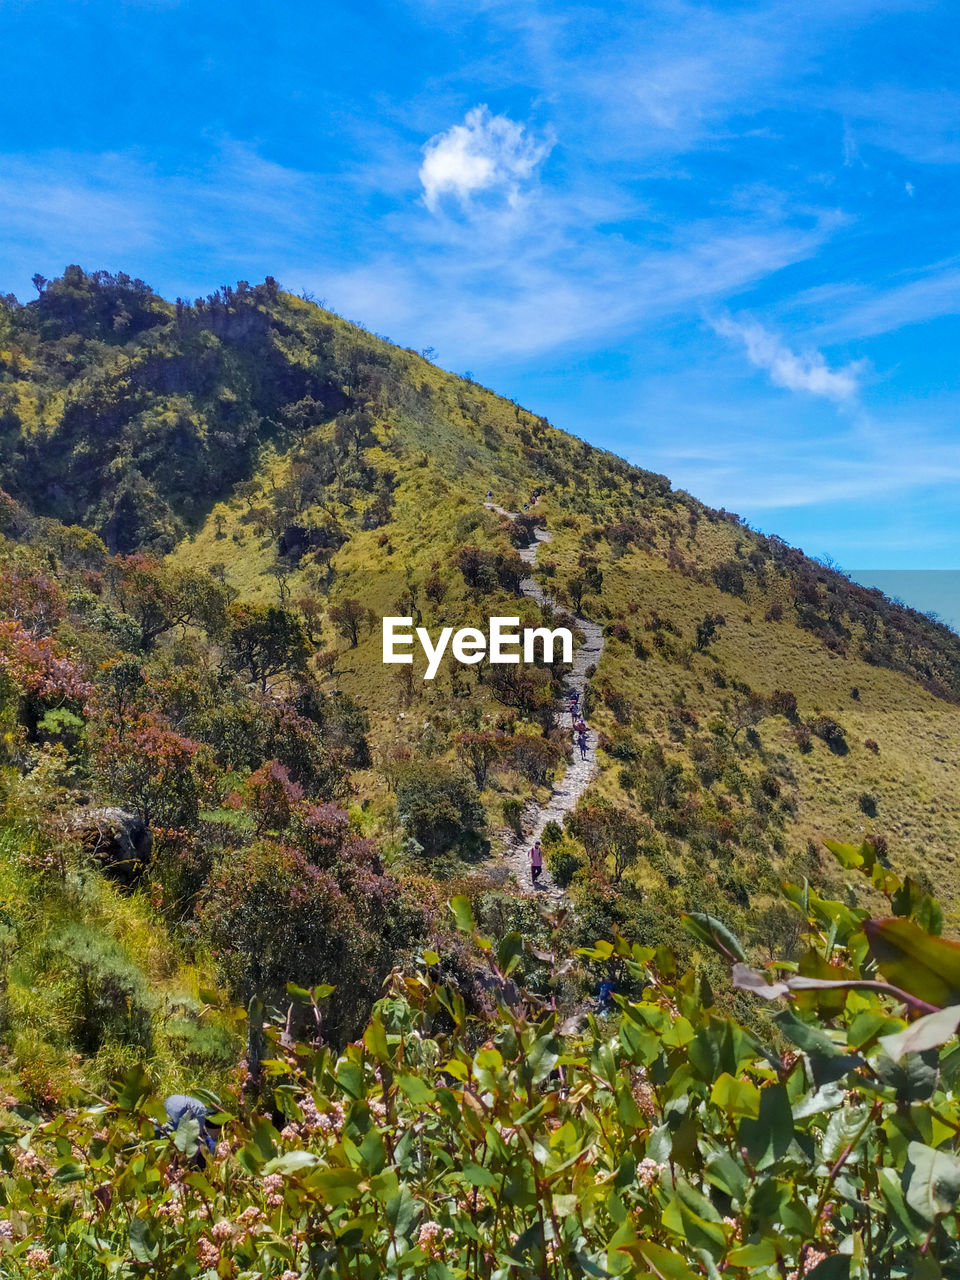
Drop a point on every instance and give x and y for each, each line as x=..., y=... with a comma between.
x=606, y=832
x=273, y=917
x=302, y=416
x=477, y=751
x=161, y=774
x=530, y=690
x=576, y=589
x=707, y=629
x=265, y=641
x=350, y=617
x=160, y=597
x=748, y=709
x=437, y=805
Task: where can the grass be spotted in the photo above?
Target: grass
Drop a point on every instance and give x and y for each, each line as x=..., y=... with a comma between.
x=460, y=440
x=51, y=934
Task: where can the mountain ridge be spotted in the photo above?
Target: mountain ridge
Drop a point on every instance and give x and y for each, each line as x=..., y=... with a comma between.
x=212, y=504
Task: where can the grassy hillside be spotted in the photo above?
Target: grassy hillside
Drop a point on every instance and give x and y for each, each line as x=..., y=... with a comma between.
x=229, y=836
x=210, y=507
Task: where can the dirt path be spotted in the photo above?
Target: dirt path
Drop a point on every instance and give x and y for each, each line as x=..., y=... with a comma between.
x=576, y=777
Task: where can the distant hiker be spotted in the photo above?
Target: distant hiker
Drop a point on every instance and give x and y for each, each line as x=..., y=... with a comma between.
x=179, y=1105
x=536, y=861
x=582, y=743
x=489, y=494
x=604, y=993
x=574, y=705
x=581, y=725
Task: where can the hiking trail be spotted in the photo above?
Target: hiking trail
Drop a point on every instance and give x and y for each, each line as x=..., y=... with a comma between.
x=576, y=777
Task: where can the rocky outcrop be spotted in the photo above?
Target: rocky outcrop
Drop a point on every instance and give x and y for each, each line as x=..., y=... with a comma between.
x=120, y=841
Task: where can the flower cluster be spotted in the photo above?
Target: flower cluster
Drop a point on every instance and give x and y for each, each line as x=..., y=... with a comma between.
x=432, y=1238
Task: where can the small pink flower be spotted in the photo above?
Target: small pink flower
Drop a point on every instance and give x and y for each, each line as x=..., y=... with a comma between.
x=208, y=1252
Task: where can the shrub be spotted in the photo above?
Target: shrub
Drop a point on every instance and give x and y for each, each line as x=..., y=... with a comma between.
x=618, y=703
x=871, y=745
x=272, y=916
x=832, y=733
x=200, y=1043
x=273, y=796
x=161, y=774
x=622, y=746
x=729, y=578
x=533, y=757
x=438, y=806
x=803, y=737
x=752, y=1115
x=606, y=832
x=868, y=803
x=552, y=834
x=564, y=863
x=512, y=810
x=783, y=702
x=107, y=995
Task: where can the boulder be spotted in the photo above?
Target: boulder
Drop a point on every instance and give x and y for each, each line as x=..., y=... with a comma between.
x=120, y=841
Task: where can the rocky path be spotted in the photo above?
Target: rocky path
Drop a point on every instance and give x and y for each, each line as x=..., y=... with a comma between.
x=576, y=777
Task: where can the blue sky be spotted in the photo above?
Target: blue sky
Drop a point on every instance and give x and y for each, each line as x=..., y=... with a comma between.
x=721, y=240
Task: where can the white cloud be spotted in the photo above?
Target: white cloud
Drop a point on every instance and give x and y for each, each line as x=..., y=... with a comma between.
x=805, y=371
x=486, y=152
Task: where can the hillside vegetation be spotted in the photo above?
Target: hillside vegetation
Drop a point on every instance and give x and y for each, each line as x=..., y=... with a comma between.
x=216, y=800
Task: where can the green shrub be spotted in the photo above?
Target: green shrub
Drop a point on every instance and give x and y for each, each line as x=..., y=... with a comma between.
x=552, y=834
x=565, y=862
x=512, y=809
x=832, y=733
x=438, y=806
x=106, y=994
x=683, y=1076
x=201, y=1043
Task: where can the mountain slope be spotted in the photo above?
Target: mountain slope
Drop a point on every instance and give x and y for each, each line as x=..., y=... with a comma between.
x=748, y=699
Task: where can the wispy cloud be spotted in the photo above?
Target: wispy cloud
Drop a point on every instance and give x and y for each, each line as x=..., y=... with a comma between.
x=485, y=153
x=795, y=371
x=889, y=304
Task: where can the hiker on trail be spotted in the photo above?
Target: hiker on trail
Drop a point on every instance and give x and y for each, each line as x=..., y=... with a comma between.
x=179, y=1105
x=582, y=742
x=489, y=493
x=581, y=725
x=536, y=861
x=574, y=704
x=604, y=993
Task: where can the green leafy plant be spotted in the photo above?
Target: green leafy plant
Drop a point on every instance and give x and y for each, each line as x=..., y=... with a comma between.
x=663, y=1137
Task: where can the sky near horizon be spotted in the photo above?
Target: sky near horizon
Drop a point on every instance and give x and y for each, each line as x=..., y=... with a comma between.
x=721, y=240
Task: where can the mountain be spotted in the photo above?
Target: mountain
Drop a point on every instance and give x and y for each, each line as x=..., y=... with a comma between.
x=209, y=507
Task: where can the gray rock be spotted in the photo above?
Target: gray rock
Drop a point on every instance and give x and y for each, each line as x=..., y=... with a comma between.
x=120, y=841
